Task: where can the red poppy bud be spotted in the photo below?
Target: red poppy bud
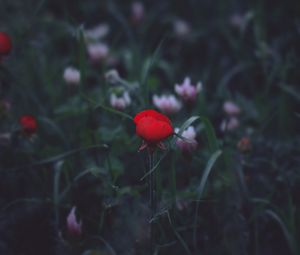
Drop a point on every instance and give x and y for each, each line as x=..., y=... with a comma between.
x=153, y=127
x=5, y=44
x=28, y=124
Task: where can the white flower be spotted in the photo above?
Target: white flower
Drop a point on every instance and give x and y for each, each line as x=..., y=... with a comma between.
x=231, y=108
x=167, y=103
x=96, y=33
x=187, y=91
x=120, y=102
x=97, y=51
x=190, y=144
x=73, y=226
x=71, y=76
x=229, y=125
x=181, y=28
x=137, y=12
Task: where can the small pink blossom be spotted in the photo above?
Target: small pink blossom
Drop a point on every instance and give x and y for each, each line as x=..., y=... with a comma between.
x=73, y=226
x=137, y=12
x=168, y=104
x=120, y=102
x=229, y=125
x=96, y=33
x=189, y=145
x=71, y=76
x=187, y=91
x=97, y=52
x=231, y=108
x=181, y=29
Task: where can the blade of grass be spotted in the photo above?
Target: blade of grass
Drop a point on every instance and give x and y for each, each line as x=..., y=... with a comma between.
x=211, y=162
x=183, y=243
x=289, y=238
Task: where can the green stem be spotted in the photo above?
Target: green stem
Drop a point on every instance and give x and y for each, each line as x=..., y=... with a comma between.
x=152, y=202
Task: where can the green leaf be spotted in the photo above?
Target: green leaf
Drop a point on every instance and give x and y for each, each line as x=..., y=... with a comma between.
x=202, y=185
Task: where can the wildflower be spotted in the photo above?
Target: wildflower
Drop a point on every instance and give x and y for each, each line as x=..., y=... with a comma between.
x=71, y=76
x=187, y=91
x=168, y=104
x=96, y=33
x=137, y=12
x=244, y=145
x=190, y=144
x=5, y=44
x=28, y=124
x=230, y=124
x=120, y=102
x=112, y=76
x=153, y=127
x=73, y=226
x=5, y=107
x=231, y=109
x=181, y=29
x=97, y=51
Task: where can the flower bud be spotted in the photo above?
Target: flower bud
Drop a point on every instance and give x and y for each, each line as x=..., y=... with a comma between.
x=5, y=44
x=73, y=226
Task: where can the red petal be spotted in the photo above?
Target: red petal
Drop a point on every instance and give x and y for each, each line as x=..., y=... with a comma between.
x=153, y=130
x=151, y=113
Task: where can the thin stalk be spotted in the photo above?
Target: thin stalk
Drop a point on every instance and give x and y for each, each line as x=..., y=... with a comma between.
x=152, y=203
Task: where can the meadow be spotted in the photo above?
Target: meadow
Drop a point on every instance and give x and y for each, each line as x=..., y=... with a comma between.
x=149, y=127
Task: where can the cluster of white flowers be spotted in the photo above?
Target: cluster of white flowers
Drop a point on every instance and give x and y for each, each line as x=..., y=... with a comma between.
x=168, y=104
x=120, y=102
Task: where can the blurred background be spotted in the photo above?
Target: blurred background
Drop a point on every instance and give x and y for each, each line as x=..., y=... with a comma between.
x=74, y=73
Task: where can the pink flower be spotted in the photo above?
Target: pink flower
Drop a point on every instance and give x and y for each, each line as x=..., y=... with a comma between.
x=97, y=51
x=73, y=226
x=187, y=91
x=190, y=144
x=96, y=33
x=120, y=102
x=229, y=125
x=168, y=104
x=231, y=108
x=137, y=12
x=181, y=29
x=71, y=76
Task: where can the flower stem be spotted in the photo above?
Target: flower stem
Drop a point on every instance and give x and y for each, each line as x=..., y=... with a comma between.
x=152, y=203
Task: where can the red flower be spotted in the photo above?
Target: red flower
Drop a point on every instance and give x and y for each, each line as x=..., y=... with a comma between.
x=5, y=44
x=28, y=124
x=153, y=127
